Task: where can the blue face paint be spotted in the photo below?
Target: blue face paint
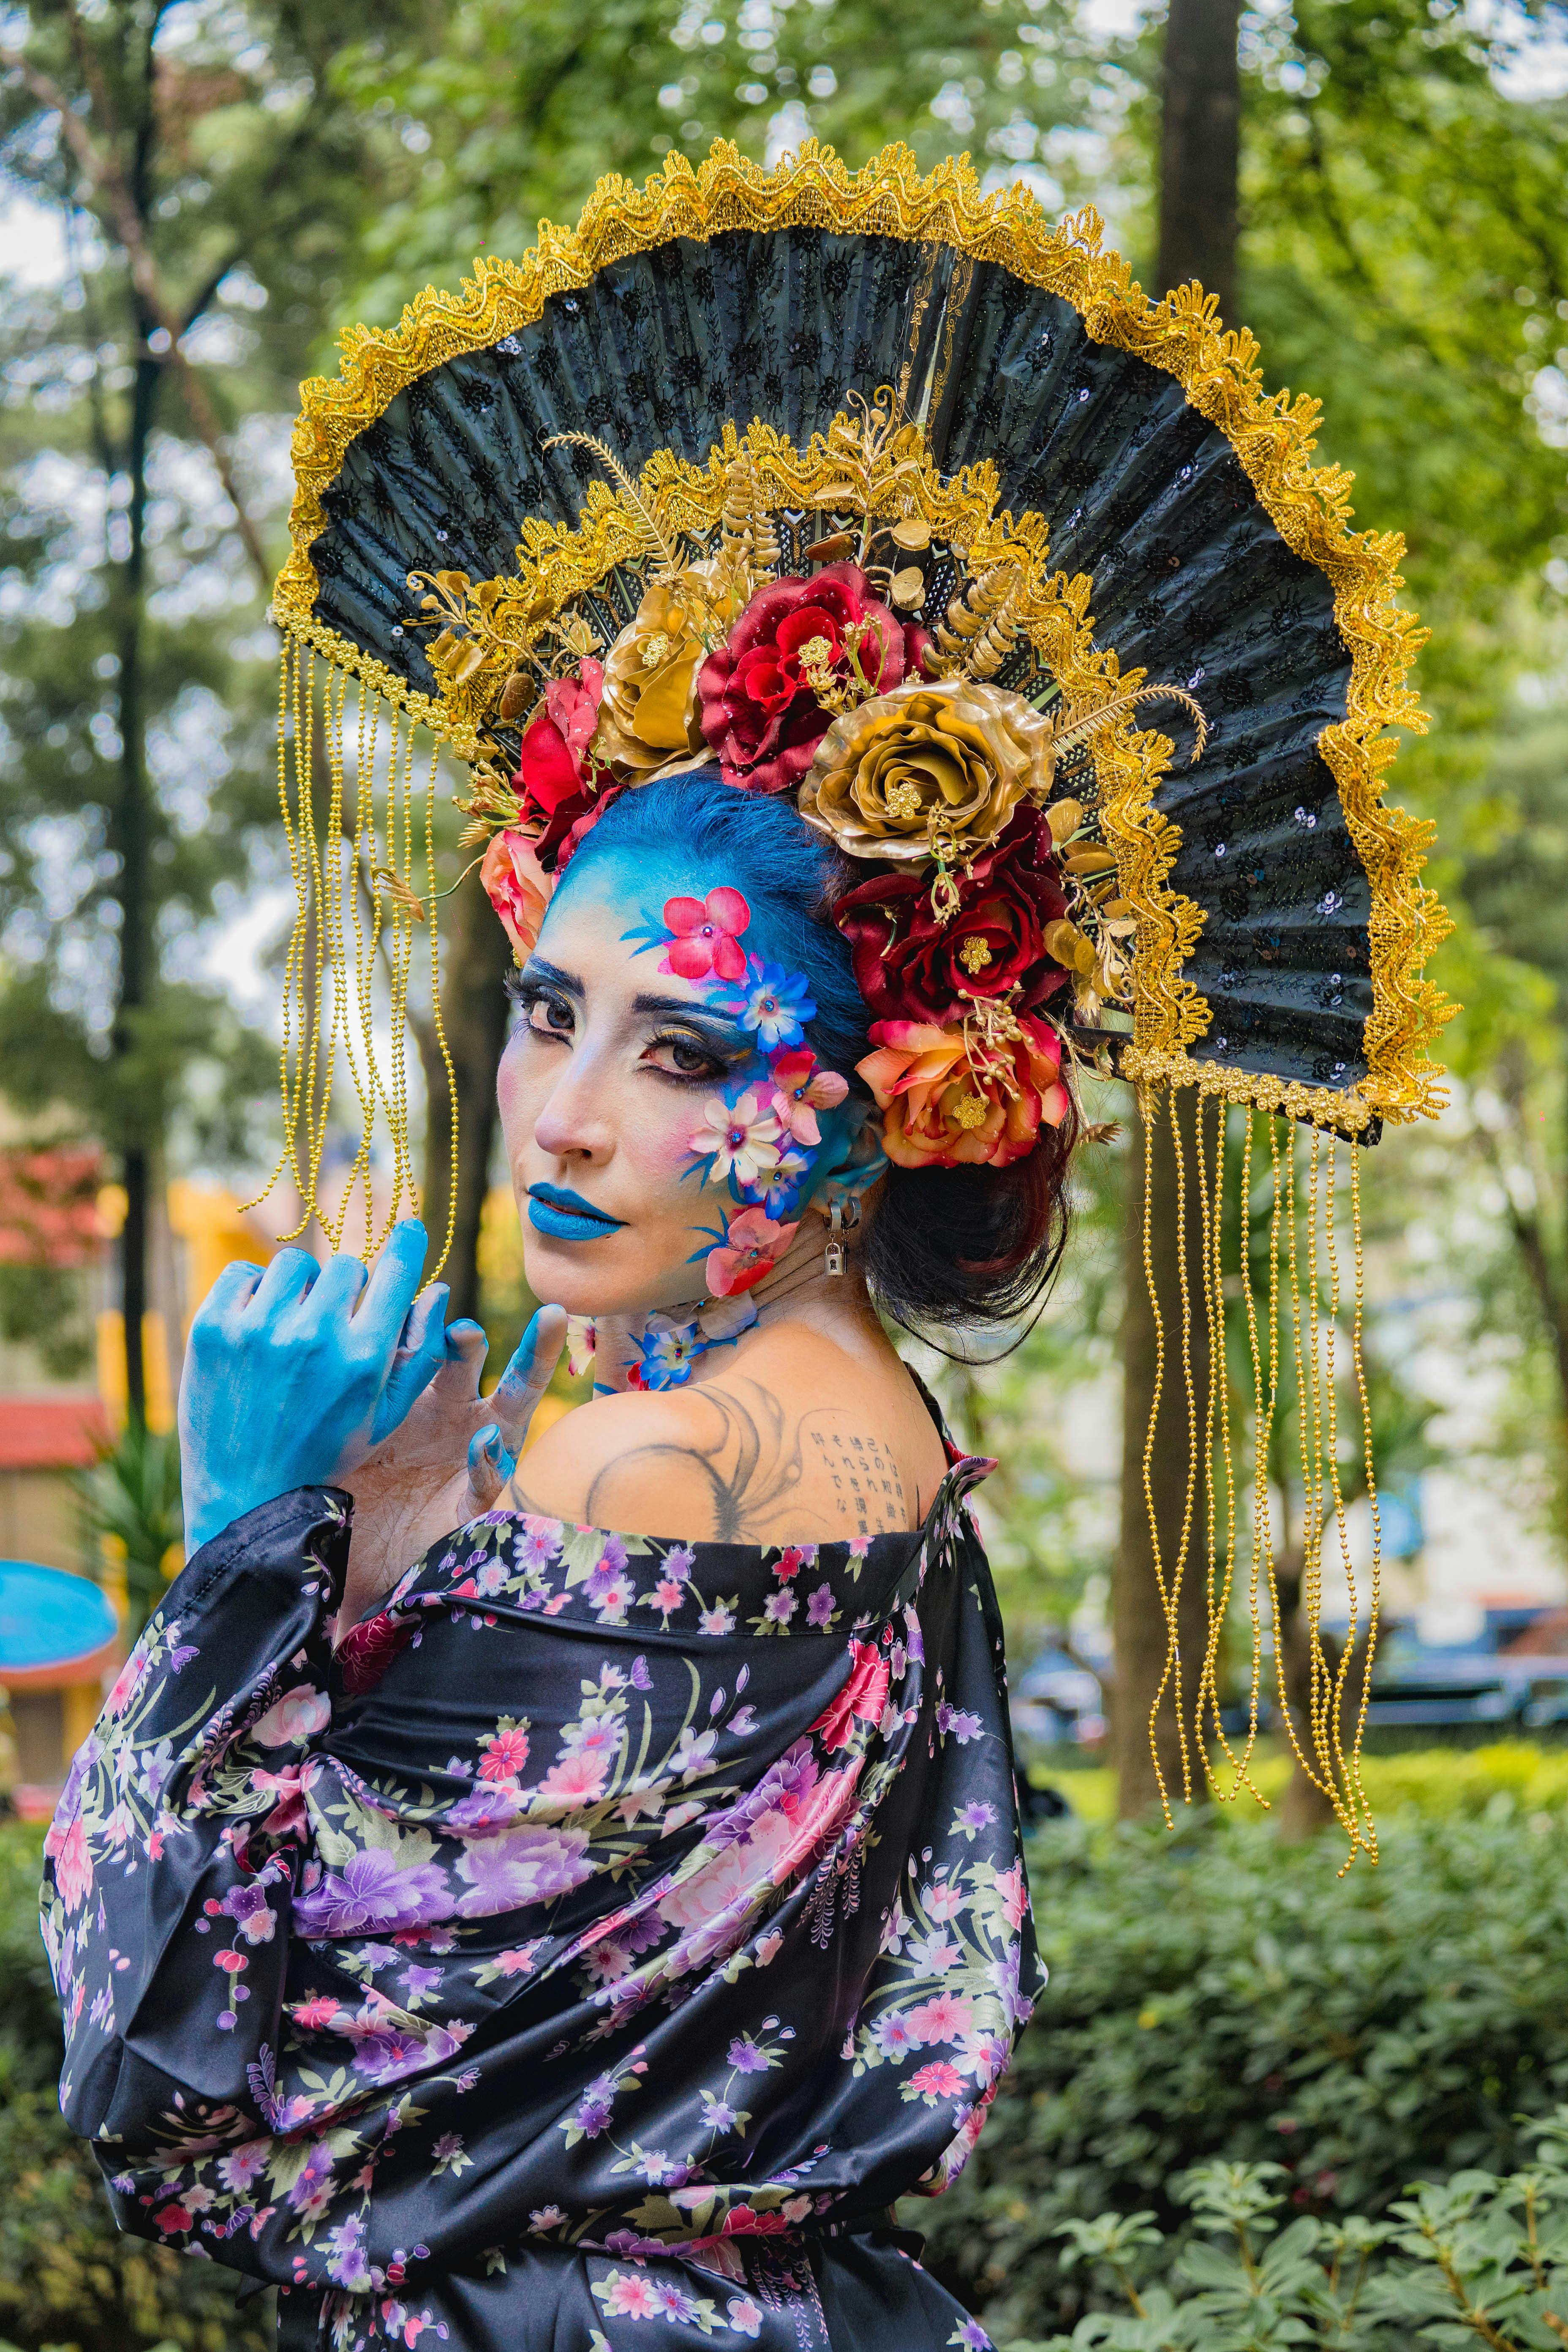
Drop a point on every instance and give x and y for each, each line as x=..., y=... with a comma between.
x=778, y=1125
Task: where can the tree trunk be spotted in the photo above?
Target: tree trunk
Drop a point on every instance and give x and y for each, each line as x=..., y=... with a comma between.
x=1140, y=1629
x=1200, y=134
x=476, y=961
x=1198, y=198
x=136, y=1115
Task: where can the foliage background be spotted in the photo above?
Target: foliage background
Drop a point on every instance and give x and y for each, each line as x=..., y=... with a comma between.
x=1404, y=254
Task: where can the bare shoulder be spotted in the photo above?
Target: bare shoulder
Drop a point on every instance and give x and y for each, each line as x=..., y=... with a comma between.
x=796, y=1440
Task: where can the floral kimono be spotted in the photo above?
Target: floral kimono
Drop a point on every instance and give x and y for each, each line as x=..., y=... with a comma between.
x=607, y=1933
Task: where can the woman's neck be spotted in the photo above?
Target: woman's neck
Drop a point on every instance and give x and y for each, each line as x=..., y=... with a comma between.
x=798, y=1288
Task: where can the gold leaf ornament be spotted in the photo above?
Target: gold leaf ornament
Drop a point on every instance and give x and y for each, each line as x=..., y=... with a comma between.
x=926, y=764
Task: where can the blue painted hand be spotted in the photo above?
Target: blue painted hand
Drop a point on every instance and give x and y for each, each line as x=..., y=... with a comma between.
x=293, y=1374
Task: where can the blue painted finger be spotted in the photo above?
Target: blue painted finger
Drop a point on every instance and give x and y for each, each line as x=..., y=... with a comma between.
x=230, y=1293
x=389, y=1293
x=291, y=1275
x=528, y=1375
x=490, y=1464
x=339, y=1283
x=421, y=1352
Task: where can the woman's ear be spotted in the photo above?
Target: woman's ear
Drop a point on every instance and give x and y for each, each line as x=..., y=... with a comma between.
x=852, y=1158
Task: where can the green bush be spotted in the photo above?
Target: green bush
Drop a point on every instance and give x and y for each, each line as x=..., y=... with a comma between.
x=1473, y=2260
x=1220, y=1995
x=68, y=2281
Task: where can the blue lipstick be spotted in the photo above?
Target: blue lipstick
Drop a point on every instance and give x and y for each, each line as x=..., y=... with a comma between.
x=566, y=1216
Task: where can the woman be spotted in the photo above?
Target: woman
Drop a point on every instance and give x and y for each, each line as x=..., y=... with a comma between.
x=515, y=1903
x=619, y=1922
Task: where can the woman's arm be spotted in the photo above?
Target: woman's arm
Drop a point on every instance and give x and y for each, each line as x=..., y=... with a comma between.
x=172, y=1861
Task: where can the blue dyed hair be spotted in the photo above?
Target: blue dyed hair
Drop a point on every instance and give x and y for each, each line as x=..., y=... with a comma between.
x=760, y=847
x=956, y=1246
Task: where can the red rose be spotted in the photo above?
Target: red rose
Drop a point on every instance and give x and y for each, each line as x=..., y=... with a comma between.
x=910, y=966
x=553, y=791
x=756, y=705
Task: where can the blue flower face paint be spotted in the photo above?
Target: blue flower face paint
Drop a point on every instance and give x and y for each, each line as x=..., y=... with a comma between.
x=665, y=1114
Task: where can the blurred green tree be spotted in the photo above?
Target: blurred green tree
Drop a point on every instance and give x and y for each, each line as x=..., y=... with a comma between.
x=204, y=181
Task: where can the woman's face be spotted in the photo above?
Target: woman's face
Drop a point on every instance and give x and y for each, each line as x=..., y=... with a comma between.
x=658, y=1100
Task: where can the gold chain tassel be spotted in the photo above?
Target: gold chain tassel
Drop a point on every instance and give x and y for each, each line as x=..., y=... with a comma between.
x=342, y=889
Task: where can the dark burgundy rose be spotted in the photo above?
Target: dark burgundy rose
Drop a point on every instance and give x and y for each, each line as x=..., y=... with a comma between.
x=910, y=966
x=565, y=843
x=757, y=708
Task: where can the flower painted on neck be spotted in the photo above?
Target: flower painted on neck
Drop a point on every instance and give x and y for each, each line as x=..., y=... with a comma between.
x=707, y=934
x=801, y=1090
x=667, y=1351
x=773, y=1003
x=751, y=1248
x=741, y=1137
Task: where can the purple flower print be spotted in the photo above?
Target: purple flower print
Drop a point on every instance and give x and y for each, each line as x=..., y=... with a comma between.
x=387, y=2053
x=785, y=1785
x=419, y=1983
x=246, y=2164
x=252, y=1914
x=892, y=2036
x=974, y=1816
x=963, y=1725
x=533, y=1863
x=315, y=2177
x=819, y=1606
x=745, y=2057
x=537, y=1546
x=373, y=1892
x=346, y=2263
x=490, y=1806
x=592, y=2112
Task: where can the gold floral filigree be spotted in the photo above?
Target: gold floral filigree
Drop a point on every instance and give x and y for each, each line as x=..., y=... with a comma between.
x=1272, y=437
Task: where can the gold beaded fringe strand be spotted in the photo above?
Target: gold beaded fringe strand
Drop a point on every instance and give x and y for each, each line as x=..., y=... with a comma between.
x=356, y=912
x=1292, y=1315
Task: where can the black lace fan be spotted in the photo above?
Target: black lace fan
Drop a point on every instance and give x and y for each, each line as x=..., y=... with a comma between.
x=1218, y=559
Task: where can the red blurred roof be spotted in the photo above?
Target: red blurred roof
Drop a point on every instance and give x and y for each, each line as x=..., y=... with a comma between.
x=48, y=1206
x=50, y=1432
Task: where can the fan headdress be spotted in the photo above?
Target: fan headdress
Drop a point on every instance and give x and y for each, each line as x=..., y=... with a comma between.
x=900, y=502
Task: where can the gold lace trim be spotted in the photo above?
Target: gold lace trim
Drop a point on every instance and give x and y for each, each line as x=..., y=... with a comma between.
x=1272, y=437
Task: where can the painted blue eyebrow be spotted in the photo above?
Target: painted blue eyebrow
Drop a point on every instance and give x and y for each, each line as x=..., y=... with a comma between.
x=686, y=1011
x=538, y=966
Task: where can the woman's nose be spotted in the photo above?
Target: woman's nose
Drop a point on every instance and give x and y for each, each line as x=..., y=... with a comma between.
x=571, y=1122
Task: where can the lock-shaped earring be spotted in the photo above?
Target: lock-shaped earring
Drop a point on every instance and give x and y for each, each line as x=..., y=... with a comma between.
x=844, y=1215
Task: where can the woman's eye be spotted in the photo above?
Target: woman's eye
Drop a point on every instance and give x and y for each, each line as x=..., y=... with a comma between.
x=684, y=1057
x=550, y=1016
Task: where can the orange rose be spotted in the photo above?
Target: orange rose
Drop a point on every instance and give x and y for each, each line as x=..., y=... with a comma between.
x=516, y=888
x=939, y=1110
